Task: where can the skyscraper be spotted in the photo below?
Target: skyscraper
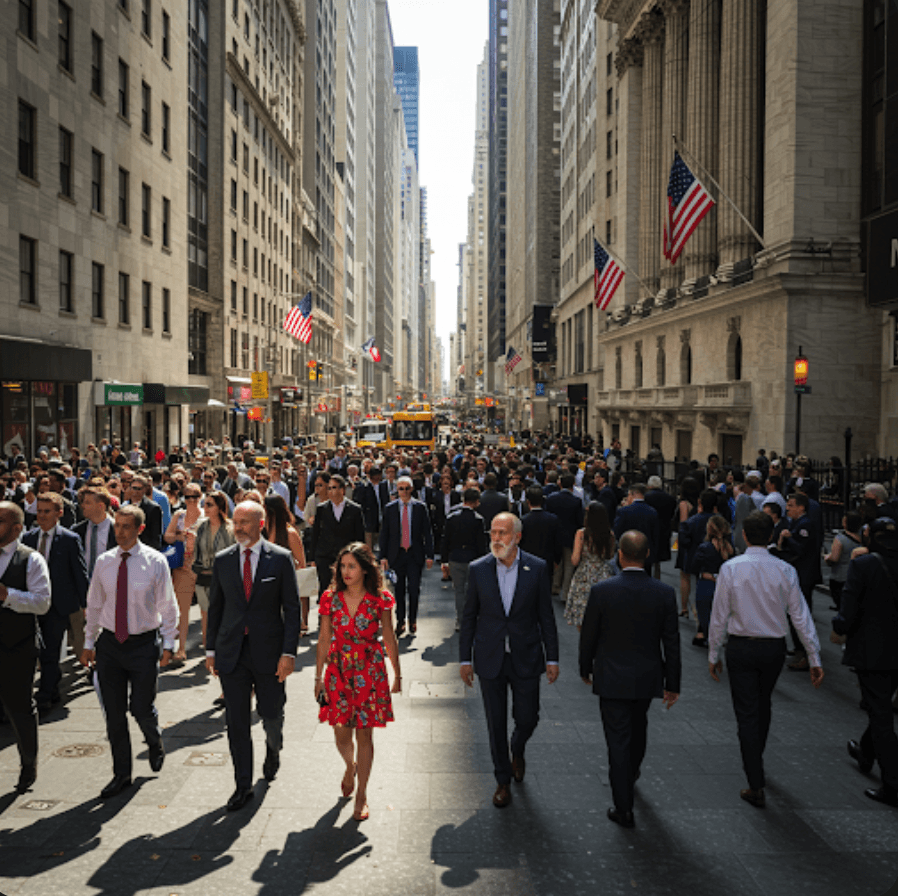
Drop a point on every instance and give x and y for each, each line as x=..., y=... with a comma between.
x=405, y=77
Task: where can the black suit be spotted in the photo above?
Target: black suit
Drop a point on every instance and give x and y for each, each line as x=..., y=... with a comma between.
x=630, y=645
x=152, y=533
x=509, y=650
x=407, y=564
x=641, y=517
x=665, y=506
x=330, y=536
x=82, y=530
x=463, y=541
x=569, y=510
x=438, y=515
x=540, y=536
x=248, y=638
x=491, y=504
x=68, y=580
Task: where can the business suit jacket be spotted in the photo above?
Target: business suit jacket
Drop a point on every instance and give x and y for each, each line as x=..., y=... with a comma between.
x=464, y=538
x=82, y=530
x=692, y=532
x=868, y=614
x=152, y=533
x=271, y=615
x=540, y=536
x=665, y=506
x=421, y=533
x=802, y=551
x=68, y=574
x=492, y=503
x=569, y=510
x=329, y=536
x=438, y=512
x=529, y=628
x=643, y=518
x=629, y=639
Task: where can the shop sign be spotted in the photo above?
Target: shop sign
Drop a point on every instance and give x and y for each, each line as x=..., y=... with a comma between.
x=119, y=394
x=254, y=414
x=543, y=330
x=259, y=385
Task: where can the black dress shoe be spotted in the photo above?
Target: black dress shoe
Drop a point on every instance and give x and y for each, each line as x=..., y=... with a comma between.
x=413, y=628
x=502, y=796
x=864, y=763
x=157, y=756
x=755, y=797
x=624, y=819
x=43, y=704
x=881, y=795
x=400, y=629
x=115, y=786
x=27, y=777
x=518, y=767
x=219, y=702
x=272, y=764
x=239, y=798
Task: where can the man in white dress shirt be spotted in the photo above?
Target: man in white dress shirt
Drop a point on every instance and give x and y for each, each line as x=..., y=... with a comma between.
x=24, y=595
x=129, y=603
x=754, y=594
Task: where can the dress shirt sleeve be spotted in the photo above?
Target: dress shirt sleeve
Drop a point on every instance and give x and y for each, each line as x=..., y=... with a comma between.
x=802, y=620
x=37, y=598
x=95, y=598
x=166, y=606
x=720, y=612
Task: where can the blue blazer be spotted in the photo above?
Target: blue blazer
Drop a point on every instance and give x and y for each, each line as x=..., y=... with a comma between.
x=421, y=532
x=529, y=628
x=629, y=639
x=643, y=518
x=68, y=574
x=271, y=615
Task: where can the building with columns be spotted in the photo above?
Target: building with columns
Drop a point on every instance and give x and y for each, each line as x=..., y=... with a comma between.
x=697, y=357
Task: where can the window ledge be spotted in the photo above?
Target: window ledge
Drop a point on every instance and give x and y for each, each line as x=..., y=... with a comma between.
x=31, y=306
x=146, y=138
x=98, y=320
x=146, y=240
x=67, y=314
x=98, y=98
x=28, y=180
x=66, y=72
x=123, y=120
x=147, y=331
x=65, y=198
x=124, y=227
x=124, y=326
x=166, y=334
x=96, y=214
x=27, y=40
x=166, y=250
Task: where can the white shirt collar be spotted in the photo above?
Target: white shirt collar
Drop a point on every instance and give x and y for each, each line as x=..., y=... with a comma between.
x=256, y=548
x=135, y=550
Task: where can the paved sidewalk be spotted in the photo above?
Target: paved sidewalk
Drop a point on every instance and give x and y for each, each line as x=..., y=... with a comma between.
x=433, y=828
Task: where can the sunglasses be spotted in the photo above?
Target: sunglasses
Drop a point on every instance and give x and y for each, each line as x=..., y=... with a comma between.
x=403, y=488
x=191, y=497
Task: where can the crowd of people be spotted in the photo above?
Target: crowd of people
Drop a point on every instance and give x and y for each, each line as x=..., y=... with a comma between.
x=112, y=548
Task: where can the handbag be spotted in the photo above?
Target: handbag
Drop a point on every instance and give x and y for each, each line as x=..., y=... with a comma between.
x=307, y=581
x=174, y=554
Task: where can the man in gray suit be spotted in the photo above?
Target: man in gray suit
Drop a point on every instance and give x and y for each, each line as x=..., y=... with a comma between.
x=253, y=633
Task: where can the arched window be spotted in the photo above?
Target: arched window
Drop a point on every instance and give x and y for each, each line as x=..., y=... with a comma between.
x=686, y=365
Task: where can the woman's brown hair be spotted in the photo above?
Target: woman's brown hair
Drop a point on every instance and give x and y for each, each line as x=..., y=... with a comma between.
x=370, y=570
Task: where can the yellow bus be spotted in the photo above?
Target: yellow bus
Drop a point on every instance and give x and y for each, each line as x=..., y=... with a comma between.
x=413, y=428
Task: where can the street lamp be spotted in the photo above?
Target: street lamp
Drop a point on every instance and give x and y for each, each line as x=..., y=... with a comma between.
x=800, y=375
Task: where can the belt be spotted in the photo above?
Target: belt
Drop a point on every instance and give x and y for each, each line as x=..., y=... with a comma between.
x=755, y=638
x=139, y=638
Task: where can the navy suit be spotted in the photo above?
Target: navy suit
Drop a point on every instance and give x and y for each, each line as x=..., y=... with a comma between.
x=509, y=650
x=540, y=536
x=630, y=645
x=248, y=638
x=407, y=564
x=68, y=581
x=643, y=518
x=665, y=506
x=569, y=510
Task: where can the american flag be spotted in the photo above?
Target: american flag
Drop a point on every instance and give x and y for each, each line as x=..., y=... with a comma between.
x=607, y=277
x=687, y=203
x=512, y=359
x=371, y=350
x=298, y=322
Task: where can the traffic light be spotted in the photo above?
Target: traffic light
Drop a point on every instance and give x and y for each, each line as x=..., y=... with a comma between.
x=318, y=370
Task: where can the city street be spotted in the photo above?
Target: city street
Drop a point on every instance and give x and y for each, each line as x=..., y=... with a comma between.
x=433, y=828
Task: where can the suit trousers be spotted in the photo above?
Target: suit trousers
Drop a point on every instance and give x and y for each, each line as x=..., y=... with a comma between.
x=879, y=741
x=271, y=696
x=325, y=573
x=408, y=582
x=753, y=666
x=458, y=572
x=564, y=572
x=53, y=627
x=625, y=723
x=134, y=663
x=76, y=632
x=524, y=711
x=16, y=686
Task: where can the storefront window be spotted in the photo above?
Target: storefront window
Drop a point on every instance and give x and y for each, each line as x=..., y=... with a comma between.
x=15, y=416
x=45, y=414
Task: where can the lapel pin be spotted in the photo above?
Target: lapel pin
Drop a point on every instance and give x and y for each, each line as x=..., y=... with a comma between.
x=526, y=569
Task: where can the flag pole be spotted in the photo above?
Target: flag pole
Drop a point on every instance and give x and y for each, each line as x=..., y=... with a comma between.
x=620, y=261
x=680, y=147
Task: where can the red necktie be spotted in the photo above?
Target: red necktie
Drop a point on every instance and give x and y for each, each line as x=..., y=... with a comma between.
x=406, y=529
x=247, y=575
x=121, y=601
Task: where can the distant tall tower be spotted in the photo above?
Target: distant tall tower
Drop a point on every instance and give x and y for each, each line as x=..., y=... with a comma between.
x=405, y=77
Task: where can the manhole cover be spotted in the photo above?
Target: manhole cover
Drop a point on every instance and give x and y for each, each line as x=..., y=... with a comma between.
x=198, y=757
x=39, y=805
x=79, y=751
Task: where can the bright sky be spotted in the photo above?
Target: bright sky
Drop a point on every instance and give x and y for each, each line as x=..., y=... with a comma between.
x=449, y=35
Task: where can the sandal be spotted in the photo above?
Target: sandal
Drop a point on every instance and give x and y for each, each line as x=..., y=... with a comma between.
x=345, y=789
x=361, y=815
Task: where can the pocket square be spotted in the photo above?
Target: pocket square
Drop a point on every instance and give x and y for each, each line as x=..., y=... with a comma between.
x=269, y=579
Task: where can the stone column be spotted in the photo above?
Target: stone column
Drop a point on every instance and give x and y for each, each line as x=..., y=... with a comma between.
x=702, y=112
x=739, y=138
x=651, y=192
x=676, y=54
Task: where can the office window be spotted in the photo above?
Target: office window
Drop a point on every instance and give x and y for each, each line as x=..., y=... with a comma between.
x=245, y=206
x=146, y=304
x=27, y=150
x=233, y=300
x=96, y=291
x=233, y=195
x=608, y=183
x=166, y=311
x=146, y=105
x=234, y=146
x=146, y=198
x=196, y=342
x=66, y=270
x=123, y=75
x=65, y=162
x=166, y=128
x=65, y=36
x=166, y=222
x=244, y=351
x=96, y=64
x=234, y=245
x=123, y=5
x=245, y=159
x=166, y=36
x=609, y=101
x=96, y=181
x=245, y=301
x=146, y=18
x=245, y=254
x=124, y=182
x=233, y=348
x=124, y=298
x=27, y=270
x=26, y=18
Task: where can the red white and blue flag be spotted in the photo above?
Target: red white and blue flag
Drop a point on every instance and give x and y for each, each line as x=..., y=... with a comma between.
x=607, y=277
x=512, y=359
x=687, y=203
x=298, y=323
x=371, y=350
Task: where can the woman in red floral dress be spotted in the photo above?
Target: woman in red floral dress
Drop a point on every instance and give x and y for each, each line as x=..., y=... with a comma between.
x=353, y=690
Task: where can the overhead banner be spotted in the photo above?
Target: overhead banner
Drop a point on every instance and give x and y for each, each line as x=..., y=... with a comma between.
x=543, y=346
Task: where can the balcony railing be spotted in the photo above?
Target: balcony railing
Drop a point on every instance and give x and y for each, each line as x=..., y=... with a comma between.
x=722, y=396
